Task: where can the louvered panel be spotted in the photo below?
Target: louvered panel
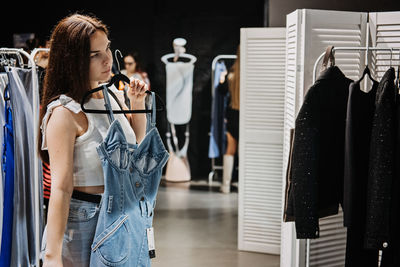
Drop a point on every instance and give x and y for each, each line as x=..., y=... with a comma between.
x=385, y=28
x=308, y=35
x=338, y=35
x=289, y=256
x=262, y=191
x=262, y=81
x=340, y=29
x=263, y=76
x=328, y=249
x=290, y=84
x=262, y=196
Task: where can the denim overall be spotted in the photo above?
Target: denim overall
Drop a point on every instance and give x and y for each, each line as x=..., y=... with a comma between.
x=132, y=174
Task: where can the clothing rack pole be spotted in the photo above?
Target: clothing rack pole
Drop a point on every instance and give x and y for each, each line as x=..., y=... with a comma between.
x=35, y=95
x=213, y=64
x=350, y=49
x=367, y=49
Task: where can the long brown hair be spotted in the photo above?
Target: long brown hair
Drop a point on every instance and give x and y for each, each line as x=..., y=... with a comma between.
x=69, y=60
x=234, y=81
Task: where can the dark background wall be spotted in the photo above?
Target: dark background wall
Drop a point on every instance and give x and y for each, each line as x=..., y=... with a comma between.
x=210, y=27
x=279, y=8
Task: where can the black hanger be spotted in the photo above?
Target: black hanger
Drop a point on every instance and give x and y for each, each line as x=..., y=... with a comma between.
x=101, y=111
x=115, y=79
x=118, y=76
x=368, y=72
x=3, y=63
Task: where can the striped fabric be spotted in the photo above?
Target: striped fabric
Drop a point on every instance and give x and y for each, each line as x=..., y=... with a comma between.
x=46, y=180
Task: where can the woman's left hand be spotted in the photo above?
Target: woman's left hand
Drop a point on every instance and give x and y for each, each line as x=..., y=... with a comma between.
x=137, y=93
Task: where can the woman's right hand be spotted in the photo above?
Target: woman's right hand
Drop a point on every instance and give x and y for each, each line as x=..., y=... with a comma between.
x=52, y=262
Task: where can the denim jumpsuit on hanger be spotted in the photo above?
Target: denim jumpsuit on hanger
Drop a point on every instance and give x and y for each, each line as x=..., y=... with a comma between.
x=132, y=174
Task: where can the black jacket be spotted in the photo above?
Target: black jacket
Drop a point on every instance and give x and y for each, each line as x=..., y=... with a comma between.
x=360, y=113
x=381, y=164
x=391, y=254
x=359, y=118
x=316, y=187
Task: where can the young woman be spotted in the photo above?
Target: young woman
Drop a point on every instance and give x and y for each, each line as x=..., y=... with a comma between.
x=80, y=59
x=230, y=83
x=134, y=69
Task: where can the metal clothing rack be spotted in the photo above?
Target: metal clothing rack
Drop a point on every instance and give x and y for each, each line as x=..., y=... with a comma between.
x=366, y=49
x=35, y=97
x=213, y=64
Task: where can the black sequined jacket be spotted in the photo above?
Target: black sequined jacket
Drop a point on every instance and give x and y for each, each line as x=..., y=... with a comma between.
x=316, y=176
x=381, y=164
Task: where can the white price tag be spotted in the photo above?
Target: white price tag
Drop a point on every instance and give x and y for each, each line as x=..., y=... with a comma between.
x=150, y=242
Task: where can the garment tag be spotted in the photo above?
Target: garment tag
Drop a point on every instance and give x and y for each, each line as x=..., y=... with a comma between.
x=150, y=242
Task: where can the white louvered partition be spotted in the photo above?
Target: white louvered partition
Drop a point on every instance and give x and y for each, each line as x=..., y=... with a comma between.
x=262, y=79
x=290, y=247
x=385, y=33
x=309, y=32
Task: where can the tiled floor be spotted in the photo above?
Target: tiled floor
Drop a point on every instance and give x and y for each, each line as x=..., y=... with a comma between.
x=196, y=226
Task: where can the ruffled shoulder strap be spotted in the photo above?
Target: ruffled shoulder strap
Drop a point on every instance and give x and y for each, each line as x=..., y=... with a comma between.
x=63, y=100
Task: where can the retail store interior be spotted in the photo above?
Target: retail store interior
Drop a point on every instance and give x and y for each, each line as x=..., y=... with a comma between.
x=222, y=200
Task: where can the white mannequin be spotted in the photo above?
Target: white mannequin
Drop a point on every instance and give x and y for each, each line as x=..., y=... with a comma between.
x=179, y=106
x=179, y=51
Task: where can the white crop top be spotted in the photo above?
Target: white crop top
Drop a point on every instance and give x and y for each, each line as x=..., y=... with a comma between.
x=88, y=170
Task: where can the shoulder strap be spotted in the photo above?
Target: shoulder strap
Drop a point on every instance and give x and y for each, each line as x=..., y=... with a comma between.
x=62, y=100
x=116, y=99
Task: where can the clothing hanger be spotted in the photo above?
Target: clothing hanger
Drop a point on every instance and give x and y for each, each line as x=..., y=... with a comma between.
x=366, y=69
x=3, y=62
x=329, y=56
x=368, y=72
x=118, y=76
x=129, y=111
x=115, y=79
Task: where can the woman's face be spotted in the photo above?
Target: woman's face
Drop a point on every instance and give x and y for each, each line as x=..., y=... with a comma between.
x=130, y=64
x=100, y=58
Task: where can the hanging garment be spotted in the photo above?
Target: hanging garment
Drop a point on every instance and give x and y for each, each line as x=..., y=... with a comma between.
x=318, y=151
x=41, y=72
x=179, y=92
x=218, y=107
x=83, y=214
x=381, y=165
x=360, y=112
x=85, y=152
x=288, y=216
x=8, y=169
x=24, y=240
x=3, y=85
x=391, y=255
x=132, y=175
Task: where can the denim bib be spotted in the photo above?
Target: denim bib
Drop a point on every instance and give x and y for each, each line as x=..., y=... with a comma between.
x=132, y=174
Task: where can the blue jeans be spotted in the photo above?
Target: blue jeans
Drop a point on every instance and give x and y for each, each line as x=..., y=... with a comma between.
x=132, y=175
x=79, y=233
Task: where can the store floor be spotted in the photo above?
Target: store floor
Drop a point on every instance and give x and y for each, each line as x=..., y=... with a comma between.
x=196, y=226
